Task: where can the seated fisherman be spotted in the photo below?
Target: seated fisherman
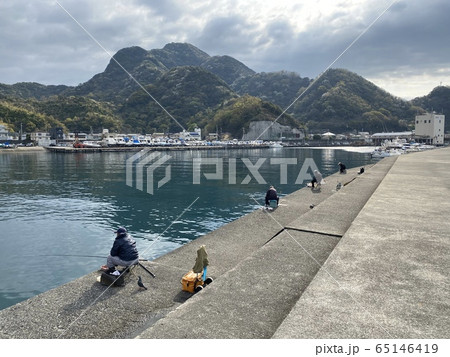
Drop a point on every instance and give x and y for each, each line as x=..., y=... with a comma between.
x=272, y=195
x=123, y=251
x=317, y=179
x=342, y=168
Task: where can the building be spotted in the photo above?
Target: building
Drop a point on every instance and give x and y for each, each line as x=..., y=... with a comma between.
x=195, y=135
x=379, y=138
x=56, y=133
x=272, y=131
x=4, y=133
x=42, y=138
x=430, y=128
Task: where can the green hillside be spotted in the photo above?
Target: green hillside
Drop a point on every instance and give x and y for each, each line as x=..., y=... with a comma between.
x=210, y=92
x=342, y=101
x=439, y=101
x=189, y=94
x=236, y=115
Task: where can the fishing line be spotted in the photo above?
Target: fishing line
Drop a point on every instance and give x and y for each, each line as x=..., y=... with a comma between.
x=329, y=66
x=327, y=272
x=67, y=255
x=117, y=62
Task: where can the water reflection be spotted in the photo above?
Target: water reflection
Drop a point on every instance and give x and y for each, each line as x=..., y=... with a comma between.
x=61, y=204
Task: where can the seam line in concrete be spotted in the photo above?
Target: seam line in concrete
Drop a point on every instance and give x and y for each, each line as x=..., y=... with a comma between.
x=275, y=235
x=314, y=232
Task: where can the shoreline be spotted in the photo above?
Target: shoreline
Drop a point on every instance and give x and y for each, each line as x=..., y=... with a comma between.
x=63, y=149
x=22, y=149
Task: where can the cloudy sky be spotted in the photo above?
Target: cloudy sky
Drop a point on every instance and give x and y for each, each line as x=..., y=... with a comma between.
x=404, y=51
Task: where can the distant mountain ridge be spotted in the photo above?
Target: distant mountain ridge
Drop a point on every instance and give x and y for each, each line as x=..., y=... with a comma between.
x=146, y=67
x=202, y=90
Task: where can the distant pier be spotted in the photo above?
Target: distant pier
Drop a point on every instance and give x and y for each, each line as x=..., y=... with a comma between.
x=71, y=150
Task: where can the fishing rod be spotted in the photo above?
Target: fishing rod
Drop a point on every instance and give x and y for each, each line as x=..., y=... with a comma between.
x=77, y=255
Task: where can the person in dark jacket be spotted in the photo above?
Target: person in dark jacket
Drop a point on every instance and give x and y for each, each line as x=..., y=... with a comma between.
x=123, y=251
x=342, y=168
x=271, y=194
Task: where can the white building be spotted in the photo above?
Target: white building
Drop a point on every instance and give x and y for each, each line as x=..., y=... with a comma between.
x=74, y=136
x=4, y=133
x=269, y=130
x=191, y=135
x=430, y=127
x=42, y=138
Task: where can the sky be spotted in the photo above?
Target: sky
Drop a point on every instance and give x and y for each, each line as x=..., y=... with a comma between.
x=399, y=45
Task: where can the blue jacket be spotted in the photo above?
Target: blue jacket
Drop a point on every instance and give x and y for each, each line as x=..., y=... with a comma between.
x=124, y=247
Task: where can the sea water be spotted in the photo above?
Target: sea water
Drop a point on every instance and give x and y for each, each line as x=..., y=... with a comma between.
x=58, y=212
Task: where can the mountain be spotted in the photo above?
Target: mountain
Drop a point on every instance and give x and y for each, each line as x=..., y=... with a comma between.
x=179, y=54
x=437, y=100
x=187, y=94
x=71, y=113
x=236, y=115
x=118, y=81
x=30, y=90
x=227, y=68
x=281, y=88
x=18, y=115
x=341, y=101
x=198, y=89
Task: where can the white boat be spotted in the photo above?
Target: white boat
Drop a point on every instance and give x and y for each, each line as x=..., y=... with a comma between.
x=91, y=144
x=275, y=144
x=383, y=152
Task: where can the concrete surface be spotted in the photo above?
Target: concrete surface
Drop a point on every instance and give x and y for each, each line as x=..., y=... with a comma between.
x=369, y=260
x=389, y=275
x=252, y=299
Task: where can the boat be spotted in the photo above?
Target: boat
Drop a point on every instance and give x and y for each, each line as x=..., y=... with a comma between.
x=277, y=144
x=384, y=152
x=91, y=144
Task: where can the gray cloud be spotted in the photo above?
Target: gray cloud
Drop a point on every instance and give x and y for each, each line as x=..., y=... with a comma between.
x=41, y=43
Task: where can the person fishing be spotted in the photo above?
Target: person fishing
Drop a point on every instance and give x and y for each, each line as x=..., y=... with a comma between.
x=317, y=179
x=271, y=195
x=123, y=251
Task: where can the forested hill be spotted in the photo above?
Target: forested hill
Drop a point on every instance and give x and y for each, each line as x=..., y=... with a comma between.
x=341, y=100
x=203, y=90
x=118, y=82
x=439, y=101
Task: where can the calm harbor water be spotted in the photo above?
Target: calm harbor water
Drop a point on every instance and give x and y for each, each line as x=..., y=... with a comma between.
x=58, y=212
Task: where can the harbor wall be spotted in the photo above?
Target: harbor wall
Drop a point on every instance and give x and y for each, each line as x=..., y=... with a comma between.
x=268, y=270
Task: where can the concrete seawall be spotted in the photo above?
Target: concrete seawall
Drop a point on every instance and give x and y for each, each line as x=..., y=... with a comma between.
x=369, y=260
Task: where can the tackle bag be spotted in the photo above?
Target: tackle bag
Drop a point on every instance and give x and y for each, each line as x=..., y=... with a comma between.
x=190, y=281
x=116, y=280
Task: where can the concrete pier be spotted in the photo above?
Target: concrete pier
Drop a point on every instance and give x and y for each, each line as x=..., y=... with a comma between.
x=369, y=260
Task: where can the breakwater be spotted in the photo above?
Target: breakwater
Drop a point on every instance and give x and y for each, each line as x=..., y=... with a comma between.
x=66, y=149
x=347, y=268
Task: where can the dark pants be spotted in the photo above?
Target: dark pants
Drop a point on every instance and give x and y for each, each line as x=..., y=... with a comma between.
x=270, y=199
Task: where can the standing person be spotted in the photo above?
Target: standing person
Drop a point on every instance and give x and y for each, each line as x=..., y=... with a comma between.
x=342, y=168
x=317, y=178
x=123, y=251
x=272, y=194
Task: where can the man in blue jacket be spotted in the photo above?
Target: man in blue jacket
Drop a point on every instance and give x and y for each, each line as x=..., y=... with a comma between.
x=123, y=251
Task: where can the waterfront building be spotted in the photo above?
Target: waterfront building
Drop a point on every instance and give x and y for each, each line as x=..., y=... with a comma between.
x=430, y=128
x=379, y=138
x=195, y=135
x=76, y=136
x=42, y=138
x=4, y=133
x=271, y=131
